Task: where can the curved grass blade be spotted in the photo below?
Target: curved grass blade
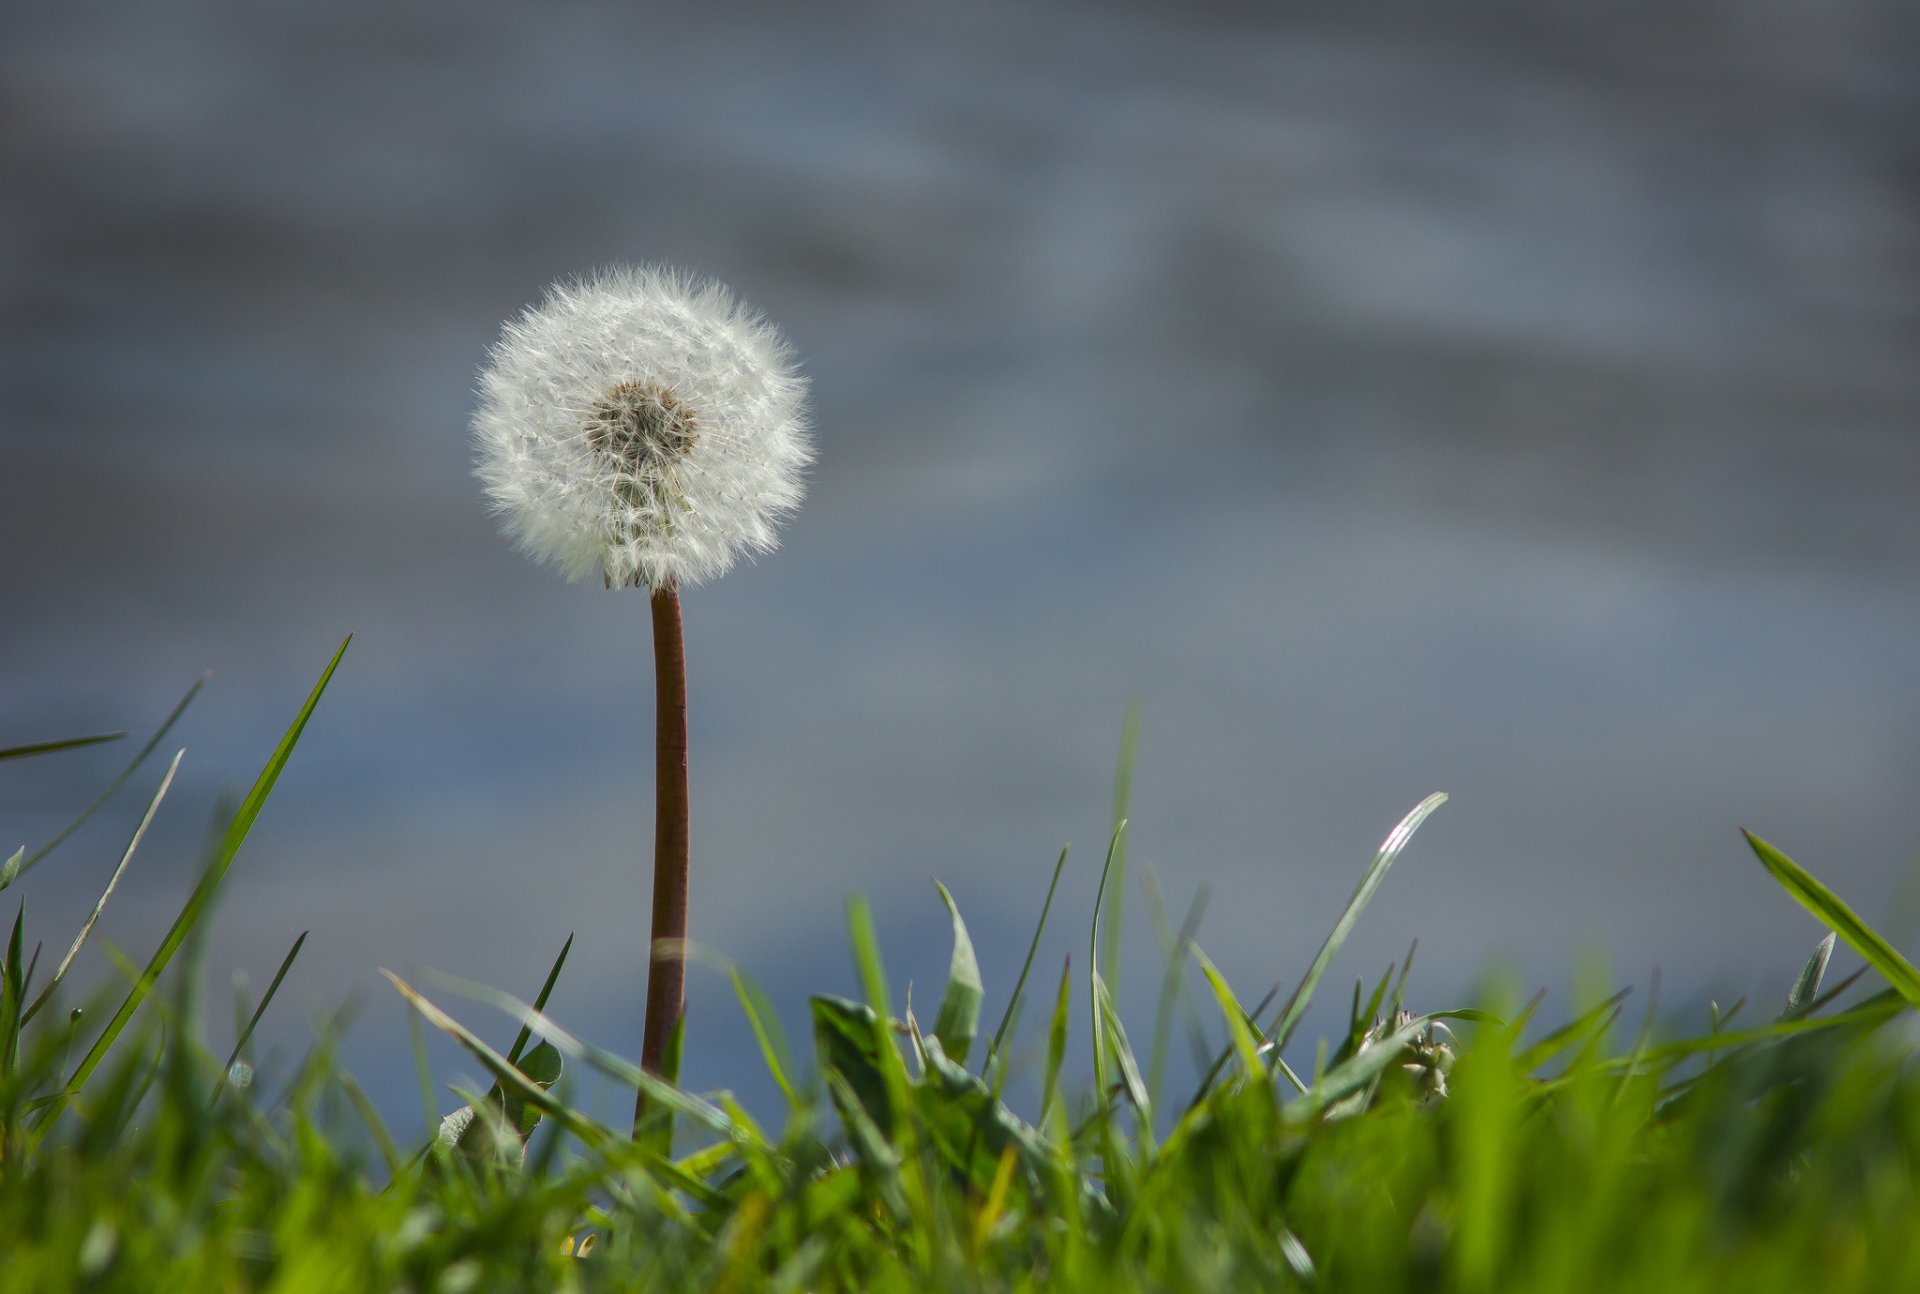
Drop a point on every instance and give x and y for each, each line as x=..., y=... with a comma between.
x=49, y=747
x=1390, y=848
x=153, y=744
x=201, y=899
x=1296, y=1005
x=1019, y=985
x=1838, y=917
x=959, y=1014
x=153, y=806
x=1122, y=806
x=1093, y=962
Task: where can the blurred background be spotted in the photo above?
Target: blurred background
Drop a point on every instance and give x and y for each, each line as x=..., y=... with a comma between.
x=1521, y=404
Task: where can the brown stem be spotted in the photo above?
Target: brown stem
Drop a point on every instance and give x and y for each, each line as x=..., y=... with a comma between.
x=667, y=966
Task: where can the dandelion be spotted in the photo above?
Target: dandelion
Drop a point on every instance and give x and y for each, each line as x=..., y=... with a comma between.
x=646, y=425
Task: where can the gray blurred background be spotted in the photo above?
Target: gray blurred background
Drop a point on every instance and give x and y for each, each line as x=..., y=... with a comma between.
x=1519, y=402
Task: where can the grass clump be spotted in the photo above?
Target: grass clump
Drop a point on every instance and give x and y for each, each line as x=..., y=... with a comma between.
x=1464, y=1149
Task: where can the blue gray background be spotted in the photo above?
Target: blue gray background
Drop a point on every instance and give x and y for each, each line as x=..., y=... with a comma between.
x=1511, y=400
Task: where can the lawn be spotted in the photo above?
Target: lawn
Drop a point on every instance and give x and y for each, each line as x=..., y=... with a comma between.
x=1431, y=1147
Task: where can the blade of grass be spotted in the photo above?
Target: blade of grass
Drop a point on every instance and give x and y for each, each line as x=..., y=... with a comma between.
x=759, y=1012
x=139, y=832
x=153, y=744
x=1240, y=1033
x=13, y=992
x=1296, y=1004
x=1093, y=964
x=866, y=956
x=589, y=1132
x=959, y=1014
x=363, y=1105
x=1173, y=951
x=1109, y=965
x=1876, y=1010
x=49, y=747
x=614, y=1067
x=540, y=1002
x=203, y=893
x=1841, y=919
x=240, y=1043
x=1019, y=985
x=1350, y=1076
x=1589, y=1023
x=1056, y=1040
x=423, y=1076
x=1396, y=840
x=1806, y=986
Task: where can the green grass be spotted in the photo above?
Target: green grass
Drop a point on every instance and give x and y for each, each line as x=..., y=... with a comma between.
x=1473, y=1148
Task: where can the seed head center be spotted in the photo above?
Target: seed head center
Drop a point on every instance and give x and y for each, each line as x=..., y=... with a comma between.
x=643, y=428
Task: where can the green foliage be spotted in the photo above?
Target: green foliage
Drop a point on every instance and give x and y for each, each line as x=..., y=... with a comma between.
x=1781, y=1156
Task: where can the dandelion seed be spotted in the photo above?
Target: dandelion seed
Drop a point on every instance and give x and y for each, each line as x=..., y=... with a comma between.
x=647, y=425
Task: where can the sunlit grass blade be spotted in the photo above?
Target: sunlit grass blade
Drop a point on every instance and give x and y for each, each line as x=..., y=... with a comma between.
x=1296, y=1004
x=202, y=897
x=1397, y=840
x=133, y=766
x=1020, y=984
x=246, y=1034
x=86, y=928
x=959, y=1014
x=1240, y=1033
x=49, y=747
x=1131, y=1081
x=1838, y=917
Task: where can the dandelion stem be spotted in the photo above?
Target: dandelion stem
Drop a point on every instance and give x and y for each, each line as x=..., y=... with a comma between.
x=667, y=967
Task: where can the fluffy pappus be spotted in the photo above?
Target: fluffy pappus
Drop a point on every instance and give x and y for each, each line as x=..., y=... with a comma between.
x=643, y=423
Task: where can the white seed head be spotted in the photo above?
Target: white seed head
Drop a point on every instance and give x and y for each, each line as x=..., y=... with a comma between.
x=642, y=423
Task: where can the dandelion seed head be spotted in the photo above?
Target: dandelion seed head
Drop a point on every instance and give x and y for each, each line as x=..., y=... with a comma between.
x=642, y=424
